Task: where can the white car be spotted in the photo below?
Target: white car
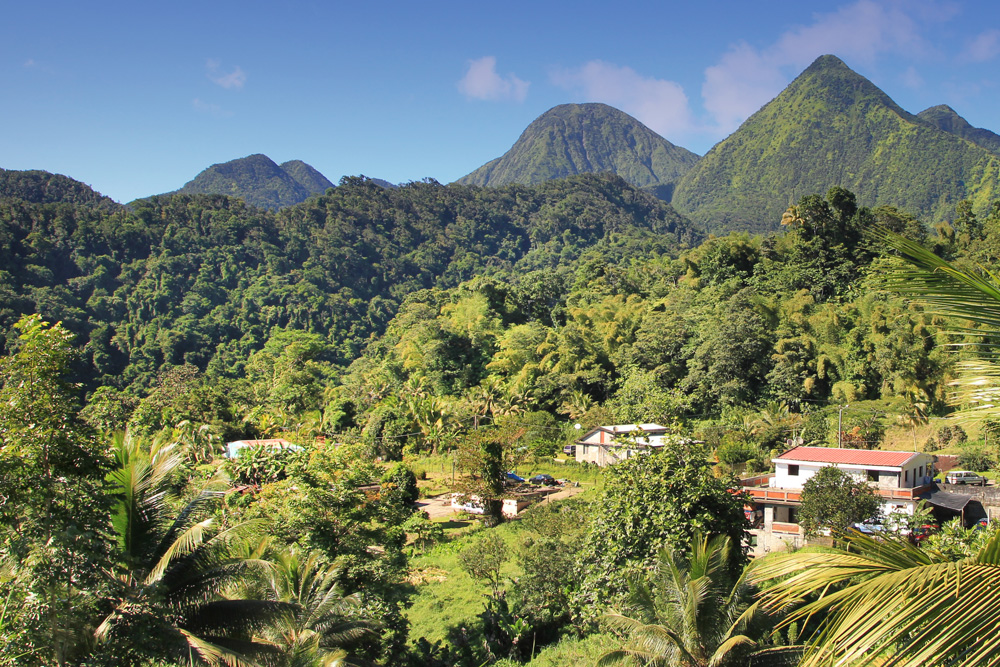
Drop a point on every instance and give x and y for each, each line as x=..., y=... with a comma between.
x=964, y=477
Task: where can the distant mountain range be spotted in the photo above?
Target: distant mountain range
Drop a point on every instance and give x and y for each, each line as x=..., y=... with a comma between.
x=944, y=118
x=587, y=138
x=830, y=126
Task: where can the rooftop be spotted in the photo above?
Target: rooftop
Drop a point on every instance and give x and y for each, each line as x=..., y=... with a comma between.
x=860, y=457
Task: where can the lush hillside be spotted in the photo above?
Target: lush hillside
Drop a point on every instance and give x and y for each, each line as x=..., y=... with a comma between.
x=205, y=279
x=944, y=118
x=260, y=182
x=586, y=138
x=833, y=126
x=41, y=187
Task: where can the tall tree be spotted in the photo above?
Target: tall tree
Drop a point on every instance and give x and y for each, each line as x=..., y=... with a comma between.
x=655, y=502
x=174, y=568
x=52, y=508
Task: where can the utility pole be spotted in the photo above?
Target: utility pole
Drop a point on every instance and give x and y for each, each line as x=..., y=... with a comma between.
x=840, y=425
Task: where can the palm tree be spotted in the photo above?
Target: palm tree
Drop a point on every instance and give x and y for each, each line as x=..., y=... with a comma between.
x=690, y=615
x=890, y=603
x=973, y=297
x=173, y=571
x=321, y=618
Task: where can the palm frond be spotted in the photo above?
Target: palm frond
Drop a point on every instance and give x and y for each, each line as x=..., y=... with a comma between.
x=883, y=599
x=214, y=654
x=946, y=289
x=184, y=543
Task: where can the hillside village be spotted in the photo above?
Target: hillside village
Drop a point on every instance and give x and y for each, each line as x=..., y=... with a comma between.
x=600, y=400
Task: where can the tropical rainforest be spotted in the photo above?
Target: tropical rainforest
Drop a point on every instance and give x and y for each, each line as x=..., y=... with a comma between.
x=385, y=334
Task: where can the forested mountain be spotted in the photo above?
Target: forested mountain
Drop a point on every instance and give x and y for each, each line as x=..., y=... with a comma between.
x=586, y=138
x=833, y=126
x=306, y=176
x=259, y=181
x=41, y=187
x=944, y=118
x=206, y=280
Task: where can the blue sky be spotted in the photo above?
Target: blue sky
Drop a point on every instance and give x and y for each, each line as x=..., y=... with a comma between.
x=135, y=100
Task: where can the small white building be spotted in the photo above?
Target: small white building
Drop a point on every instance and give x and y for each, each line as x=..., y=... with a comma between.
x=900, y=478
x=605, y=445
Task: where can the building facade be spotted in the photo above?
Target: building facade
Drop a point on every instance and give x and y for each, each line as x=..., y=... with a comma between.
x=900, y=478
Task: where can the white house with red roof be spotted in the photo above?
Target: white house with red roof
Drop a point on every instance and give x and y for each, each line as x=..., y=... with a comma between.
x=605, y=445
x=899, y=477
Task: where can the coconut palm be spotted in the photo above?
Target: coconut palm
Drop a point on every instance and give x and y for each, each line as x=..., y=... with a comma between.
x=321, y=619
x=691, y=614
x=173, y=570
x=890, y=603
x=972, y=297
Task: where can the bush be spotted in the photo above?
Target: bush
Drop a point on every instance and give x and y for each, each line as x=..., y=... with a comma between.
x=398, y=476
x=264, y=465
x=976, y=458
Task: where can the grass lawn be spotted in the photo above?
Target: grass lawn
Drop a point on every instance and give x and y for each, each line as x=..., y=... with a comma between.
x=447, y=599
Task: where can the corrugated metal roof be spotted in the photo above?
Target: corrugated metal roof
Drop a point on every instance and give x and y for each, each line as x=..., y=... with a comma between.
x=859, y=457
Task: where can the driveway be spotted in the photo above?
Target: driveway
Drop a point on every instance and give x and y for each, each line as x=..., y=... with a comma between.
x=439, y=507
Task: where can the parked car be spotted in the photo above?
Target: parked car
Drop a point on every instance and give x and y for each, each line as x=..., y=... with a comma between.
x=543, y=480
x=513, y=479
x=965, y=477
x=569, y=450
x=869, y=528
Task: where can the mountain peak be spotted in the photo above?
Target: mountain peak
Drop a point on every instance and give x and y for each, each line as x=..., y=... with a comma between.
x=947, y=119
x=574, y=139
x=260, y=181
x=828, y=62
x=831, y=126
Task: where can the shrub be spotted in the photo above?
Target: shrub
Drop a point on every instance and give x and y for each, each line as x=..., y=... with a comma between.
x=975, y=458
x=398, y=476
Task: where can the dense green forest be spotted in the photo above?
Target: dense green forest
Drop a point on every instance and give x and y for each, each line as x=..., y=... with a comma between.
x=391, y=333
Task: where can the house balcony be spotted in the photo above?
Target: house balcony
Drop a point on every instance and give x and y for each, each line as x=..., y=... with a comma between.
x=760, y=491
x=783, y=528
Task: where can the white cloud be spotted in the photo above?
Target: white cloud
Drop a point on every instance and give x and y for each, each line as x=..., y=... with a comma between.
x=481, y=82
x=742, y=82
x=32, y=64
x=984, y=47
x=233, y=79
x=210, y=109
x=659, y=104
x=912, y=79
x=746, y=78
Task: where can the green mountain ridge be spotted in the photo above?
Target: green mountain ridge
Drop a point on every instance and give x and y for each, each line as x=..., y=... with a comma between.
x=307, y=176
x=945, y=118
x=222, y=275
x=586, y=138
x=42, y=187
x=831, y=126
x=259, y=181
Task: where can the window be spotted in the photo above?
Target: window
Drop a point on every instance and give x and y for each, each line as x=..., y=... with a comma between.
x=906, y=477
x=793, y=471
x=873, y=475
x=792, y=518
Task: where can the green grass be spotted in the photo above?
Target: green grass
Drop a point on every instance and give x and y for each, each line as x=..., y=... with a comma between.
x=574, y=652
x=450, y=599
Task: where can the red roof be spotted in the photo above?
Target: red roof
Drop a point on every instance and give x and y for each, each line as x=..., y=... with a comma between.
x=860, y=457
